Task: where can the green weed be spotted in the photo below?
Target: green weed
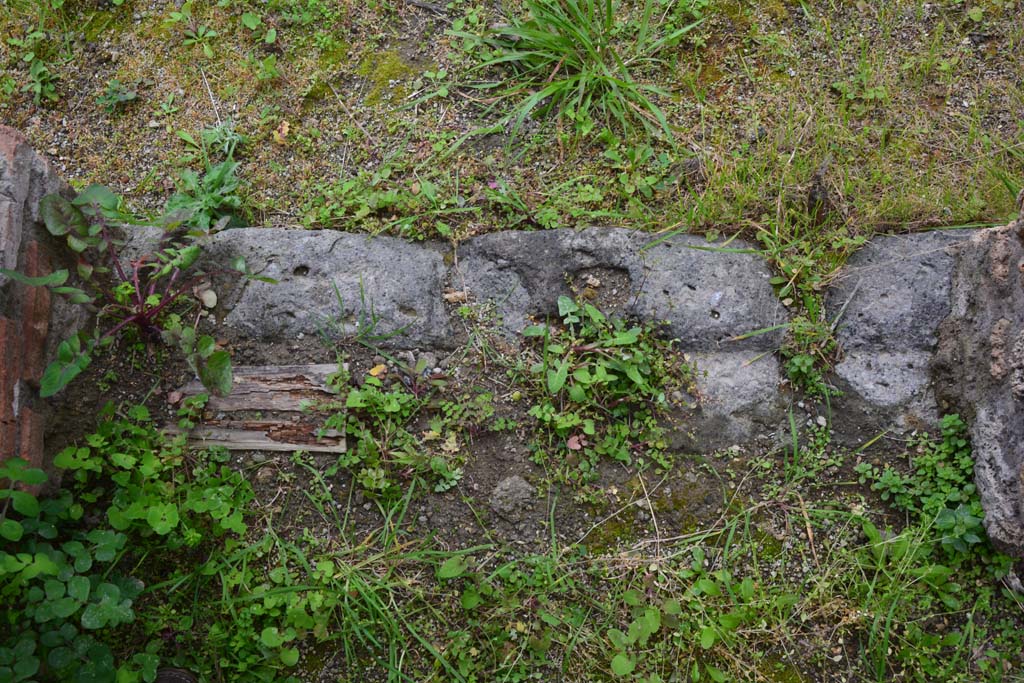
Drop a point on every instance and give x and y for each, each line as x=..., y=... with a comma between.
x=600, y=388
x=939, y=491
x=581, y=59
x=116, y=95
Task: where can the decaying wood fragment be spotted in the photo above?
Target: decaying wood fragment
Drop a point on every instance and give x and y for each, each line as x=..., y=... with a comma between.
x=270, y=408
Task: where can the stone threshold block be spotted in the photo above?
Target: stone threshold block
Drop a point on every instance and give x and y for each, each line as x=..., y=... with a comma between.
x=717, y=301
x=335, y=284
x=886, y=305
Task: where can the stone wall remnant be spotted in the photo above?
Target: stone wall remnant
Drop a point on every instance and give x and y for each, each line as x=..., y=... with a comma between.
x=32, y=323
x=979, y=367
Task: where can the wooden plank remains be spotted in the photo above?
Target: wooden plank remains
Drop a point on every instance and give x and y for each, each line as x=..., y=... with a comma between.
x=270, y=408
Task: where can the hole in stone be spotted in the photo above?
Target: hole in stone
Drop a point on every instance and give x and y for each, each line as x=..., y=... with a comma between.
x=689, y=287
x=607, y=287
x=715, y=314
x=301, y=270
x=408, y=310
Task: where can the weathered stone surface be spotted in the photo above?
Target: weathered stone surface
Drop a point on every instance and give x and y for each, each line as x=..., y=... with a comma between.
x=738, y=399
x=335, y=283
x=512, y=498
x=707, y=297
x=888, y=303
x=980, y=371
x=25, y=178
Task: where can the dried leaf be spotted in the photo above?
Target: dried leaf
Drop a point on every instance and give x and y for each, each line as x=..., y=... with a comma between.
x=281, y=133
x=378, y=370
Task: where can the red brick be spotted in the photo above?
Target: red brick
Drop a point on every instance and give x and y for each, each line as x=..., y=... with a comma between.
x=10, y=362
x=30, y=439
x=35, y=313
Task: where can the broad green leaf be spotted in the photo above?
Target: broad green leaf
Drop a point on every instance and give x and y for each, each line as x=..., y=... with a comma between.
x=535, y=331
x=623, y=664
x=78, y=588
x=215, y=373
x=471, y=598
x=251, y=21
x=651, y=620
x=566, y=306
x=25, y=503
x=290, y=656
x=271, y=637
x=717, y=675
x=11, y=530
x=594, y=314
x=54, y=589
x=59, y=374
x=185, y=257
x=17, y=469
x=61, y=216
x=453, y=567
x=77, y=244
x=54, y=279
x=206, y=346
x=625, y=338
x=618, y=638
x=730, y=621
x=557, y=377
x=632, y=597
x=73, y=294
x=163, y=517
x=65, y=607
x=148, y=663
x=708, y=636
x=25, y=667
x=60, y=658
x=98, y=196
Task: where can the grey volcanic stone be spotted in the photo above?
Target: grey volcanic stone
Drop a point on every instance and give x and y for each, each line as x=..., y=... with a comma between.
x=980, y=372
x=333, y=282
x=707, y=297
x=738, y=399
x=889, y=301
x=25, y=178
x=512, y=498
